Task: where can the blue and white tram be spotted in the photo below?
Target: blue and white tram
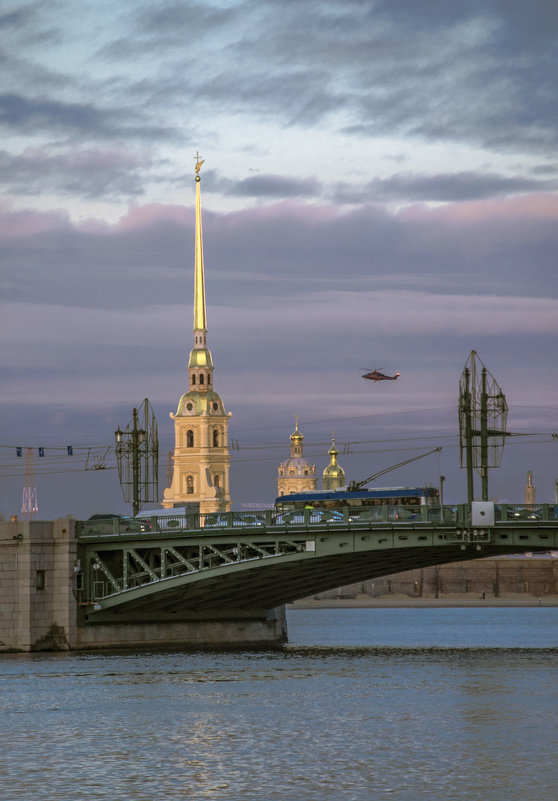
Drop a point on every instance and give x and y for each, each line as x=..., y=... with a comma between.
x=337, y=499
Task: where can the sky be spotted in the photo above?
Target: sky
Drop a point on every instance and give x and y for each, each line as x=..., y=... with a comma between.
x=380, y=190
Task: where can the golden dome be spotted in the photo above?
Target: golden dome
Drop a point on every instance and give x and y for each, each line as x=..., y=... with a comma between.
x=334, y=475
x=296, y=436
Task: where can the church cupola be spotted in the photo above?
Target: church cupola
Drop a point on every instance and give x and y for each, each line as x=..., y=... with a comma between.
x=296, y=474
x=333, y=476
x=296, y=441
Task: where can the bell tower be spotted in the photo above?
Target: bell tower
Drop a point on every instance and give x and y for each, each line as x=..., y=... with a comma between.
x=201, y=456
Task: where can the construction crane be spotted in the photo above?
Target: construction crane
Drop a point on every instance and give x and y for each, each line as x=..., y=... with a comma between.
x=355, y=486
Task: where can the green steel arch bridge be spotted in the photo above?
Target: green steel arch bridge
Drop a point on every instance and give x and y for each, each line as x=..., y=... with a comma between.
x=239, y=564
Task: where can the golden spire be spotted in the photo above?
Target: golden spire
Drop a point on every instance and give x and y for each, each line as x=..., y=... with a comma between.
x=200, y=322
x=200, y=356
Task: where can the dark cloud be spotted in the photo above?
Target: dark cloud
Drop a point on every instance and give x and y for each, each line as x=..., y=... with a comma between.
x=146, y=258
x=90, y=173
x=43, y=115
x=98, y=267
x=479, y=73
x=275, y=186
x=463, y=186
x=438, y=71
x=15, y=18
x=170, y=22
x=545, y=169
x=294, y=95
x=30, y=24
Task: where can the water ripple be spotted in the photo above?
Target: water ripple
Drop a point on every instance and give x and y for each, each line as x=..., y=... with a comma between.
x=316, y=721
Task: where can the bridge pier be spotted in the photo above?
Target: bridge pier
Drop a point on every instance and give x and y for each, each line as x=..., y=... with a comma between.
x=39, y=611
x=224, y=633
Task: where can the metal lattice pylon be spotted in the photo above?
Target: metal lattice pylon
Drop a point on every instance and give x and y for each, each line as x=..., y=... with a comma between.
x=30, y=505
x=137, y=456
x=483, y=414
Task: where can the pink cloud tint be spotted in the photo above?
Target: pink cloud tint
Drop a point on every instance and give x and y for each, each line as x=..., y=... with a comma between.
x=538, y=206
x=20, y=224
x=144, y=216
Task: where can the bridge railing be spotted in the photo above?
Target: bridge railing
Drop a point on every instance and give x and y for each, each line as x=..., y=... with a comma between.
x=269, y=518
x=456, y=515
x=526, y=512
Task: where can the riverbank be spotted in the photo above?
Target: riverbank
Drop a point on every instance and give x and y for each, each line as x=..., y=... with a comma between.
x=400, y=600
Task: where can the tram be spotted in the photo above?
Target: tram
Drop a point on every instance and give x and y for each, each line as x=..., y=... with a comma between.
x=337, y=499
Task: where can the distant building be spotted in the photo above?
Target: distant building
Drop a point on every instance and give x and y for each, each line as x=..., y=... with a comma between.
x=201, y=459
x=333, y=476
x=530, y=491
x=296, y=474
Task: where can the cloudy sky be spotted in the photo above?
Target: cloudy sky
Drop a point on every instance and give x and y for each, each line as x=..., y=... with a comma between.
x=380, y=190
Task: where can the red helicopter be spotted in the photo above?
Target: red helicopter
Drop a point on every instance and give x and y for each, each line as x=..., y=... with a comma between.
x=377, y=375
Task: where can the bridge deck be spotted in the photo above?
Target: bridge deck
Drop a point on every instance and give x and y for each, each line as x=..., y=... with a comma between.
x=255, y=562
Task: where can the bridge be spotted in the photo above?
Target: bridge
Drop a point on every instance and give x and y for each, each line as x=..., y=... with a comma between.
x=172, y=567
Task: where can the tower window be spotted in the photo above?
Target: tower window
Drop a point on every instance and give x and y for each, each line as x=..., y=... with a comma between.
x=209, y=379
x=193, y=379
x=201, y=378
x=215, y=438
x=189, y=485
x=189, y=438
x=216, y=481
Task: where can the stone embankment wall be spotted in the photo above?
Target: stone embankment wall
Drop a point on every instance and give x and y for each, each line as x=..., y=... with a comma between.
x=37, y=605
x=496, y=576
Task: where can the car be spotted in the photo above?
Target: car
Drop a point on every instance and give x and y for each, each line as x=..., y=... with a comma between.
x=297, y=517
x=109, y=517
x=403, y=514
x=366, y=514
x=326, y=516
x=521, y=513
x=226, y=519
x=105, y=523
x=164, y=519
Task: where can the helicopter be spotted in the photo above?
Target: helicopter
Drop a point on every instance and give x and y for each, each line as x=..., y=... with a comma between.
x=377, y=375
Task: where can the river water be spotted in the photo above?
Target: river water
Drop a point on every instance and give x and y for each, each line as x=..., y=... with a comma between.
x=363, y=704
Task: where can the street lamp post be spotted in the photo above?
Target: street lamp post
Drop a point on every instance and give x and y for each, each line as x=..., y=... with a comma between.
x=130, y=443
